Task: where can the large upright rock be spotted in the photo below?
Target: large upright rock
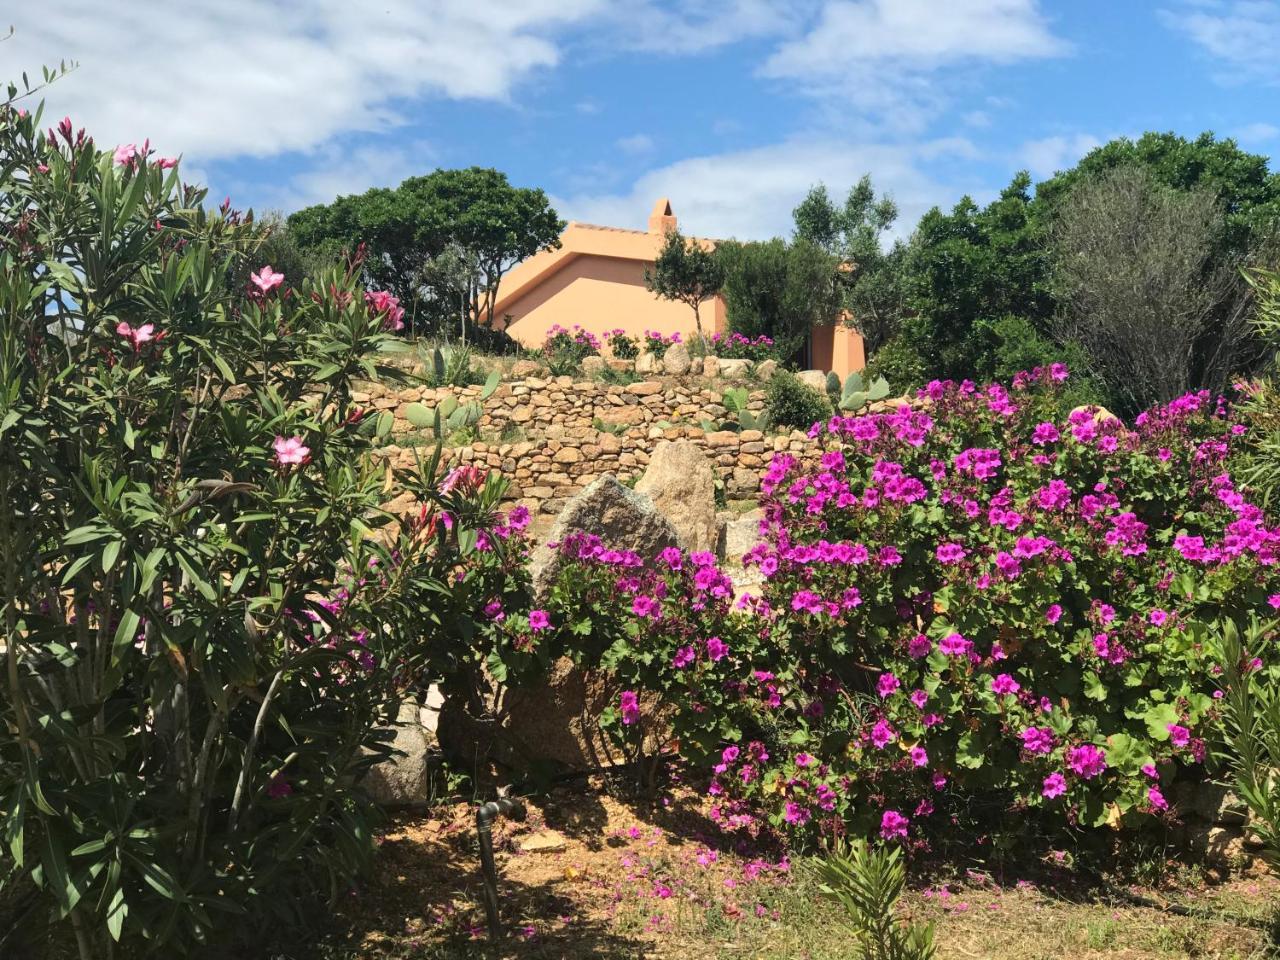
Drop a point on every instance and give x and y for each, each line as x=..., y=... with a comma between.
x=646, y=364
x=682, y=485
x=813, y=378
x=405, y=780
x=622, y=518
x=676, y=361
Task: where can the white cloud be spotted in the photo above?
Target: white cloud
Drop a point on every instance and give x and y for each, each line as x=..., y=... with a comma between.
x=693, y=26
x=1047, y=156
x=334, y=173
x=977, y=119
x=635, y=144
x=750, y=194
x=1257, y=133
x=883, y=56
x=223, y=78
x=1242, y=36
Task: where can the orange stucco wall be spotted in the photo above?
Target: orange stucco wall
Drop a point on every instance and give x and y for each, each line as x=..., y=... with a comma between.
x=837, y=348
x=602, y=293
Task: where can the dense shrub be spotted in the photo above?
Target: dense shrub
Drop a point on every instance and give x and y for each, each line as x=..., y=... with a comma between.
x=900, y=364
x=207, y=611
x=735, y=346
x=657, y=343
x=971, y=607
x=789, y=402
x=621, y=345
x=564, y=350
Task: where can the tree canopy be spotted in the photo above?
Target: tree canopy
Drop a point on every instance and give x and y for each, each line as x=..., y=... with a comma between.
x=687, y=271
x=440, y=242
x=779, y=289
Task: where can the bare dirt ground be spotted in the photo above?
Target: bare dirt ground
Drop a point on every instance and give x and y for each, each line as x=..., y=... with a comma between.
x=623, y=881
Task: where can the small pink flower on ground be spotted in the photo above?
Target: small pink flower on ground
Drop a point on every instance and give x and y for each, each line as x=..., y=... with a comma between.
x=1055, y=785
x=266, y=279
x=893, y=825
x=290, y=451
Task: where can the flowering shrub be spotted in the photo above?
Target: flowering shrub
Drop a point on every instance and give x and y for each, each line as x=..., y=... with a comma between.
x=735, y=346
x=565, y=349
x=207, y=611
x=657, y=344
x=966, y=597
x=621, y=345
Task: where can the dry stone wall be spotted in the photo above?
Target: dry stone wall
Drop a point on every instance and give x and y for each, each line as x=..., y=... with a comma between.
x=551, y=436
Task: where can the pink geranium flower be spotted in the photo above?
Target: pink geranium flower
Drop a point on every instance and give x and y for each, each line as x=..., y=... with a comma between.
x=539, y=620
x=290, y=451
x=893, y=825
x=1055, y=785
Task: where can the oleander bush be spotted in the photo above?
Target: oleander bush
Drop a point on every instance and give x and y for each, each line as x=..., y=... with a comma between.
x=974, y=611
x=206, y=612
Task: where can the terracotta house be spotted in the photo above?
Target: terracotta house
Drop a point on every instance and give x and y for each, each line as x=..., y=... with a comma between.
x=596, y=280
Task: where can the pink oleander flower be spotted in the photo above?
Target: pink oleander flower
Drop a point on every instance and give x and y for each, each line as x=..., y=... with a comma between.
x=539, y=620
x=290, y=451
x=126, y=155
x=1179, y=735
x=1087, y=760
x=137, y=336
x=266, y=279
x=1055, y=785
x=893, y=825
x=1004, y=684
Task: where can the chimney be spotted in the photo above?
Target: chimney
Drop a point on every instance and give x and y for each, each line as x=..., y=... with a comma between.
x=662, y=220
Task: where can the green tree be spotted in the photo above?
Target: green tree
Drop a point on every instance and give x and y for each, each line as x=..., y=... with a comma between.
x=686, y=271
x=870, y=275
x=779, y=289
x=440, y=242
x=966, y=269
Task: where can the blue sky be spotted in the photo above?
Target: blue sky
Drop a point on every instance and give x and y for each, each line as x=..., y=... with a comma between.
x=732, y=108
